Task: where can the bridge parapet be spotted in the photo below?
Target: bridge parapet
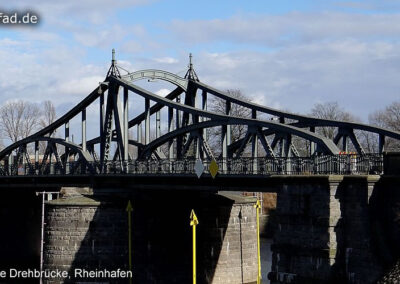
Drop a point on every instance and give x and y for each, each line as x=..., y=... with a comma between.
x=316, y=165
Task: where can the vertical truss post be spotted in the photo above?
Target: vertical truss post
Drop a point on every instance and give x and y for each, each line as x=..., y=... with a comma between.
x=177, y=113
x=281, y=141
x=118, y=108
x=139, y=133
x=177, y=126
x=11, y=163
x=36, y=157
x=287, y=153
x=101, y=113
x=66, y=152
x=83, y=135
x=66, y=131
x=51, y=165
x=225, y=138
x=345, y=144
x=106, y=136
x=158, y=128
x=170, y=129
x=224, y=148
x=125, y=125
x=126, y=129
x=198, y=146
x=147, y=122
x=254, y=145
x=84, y=130
x=228, y=127
x=139, y=137
x=381, y=143
x=312, y=144
x=204, y=107
x=23, y=152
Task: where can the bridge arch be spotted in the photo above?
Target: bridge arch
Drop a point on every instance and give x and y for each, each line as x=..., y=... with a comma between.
x=78, y=149
x=330, y=148
x=325, y=143
x=157, y=74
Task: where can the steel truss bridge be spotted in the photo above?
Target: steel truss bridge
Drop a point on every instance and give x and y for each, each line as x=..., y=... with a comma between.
x=138, y=146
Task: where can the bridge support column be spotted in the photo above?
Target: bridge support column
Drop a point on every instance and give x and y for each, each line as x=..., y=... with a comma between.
x=323, y=231
x=91, y=232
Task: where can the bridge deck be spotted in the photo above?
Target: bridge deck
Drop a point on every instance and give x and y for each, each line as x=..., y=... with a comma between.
x=186, y=182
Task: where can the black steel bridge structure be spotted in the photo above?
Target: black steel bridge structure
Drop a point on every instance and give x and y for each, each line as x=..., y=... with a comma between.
x=138, y=147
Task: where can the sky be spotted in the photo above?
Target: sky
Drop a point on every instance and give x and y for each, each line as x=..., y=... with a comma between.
x=283, y=54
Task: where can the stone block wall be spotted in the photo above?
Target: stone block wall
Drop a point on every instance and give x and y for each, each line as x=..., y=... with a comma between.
x=323, y=232
x=305, y=246
x=91, y=232
x=82, y=232
x=237, y=261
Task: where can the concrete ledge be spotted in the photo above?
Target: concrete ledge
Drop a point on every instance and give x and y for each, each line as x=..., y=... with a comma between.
x=74, y=200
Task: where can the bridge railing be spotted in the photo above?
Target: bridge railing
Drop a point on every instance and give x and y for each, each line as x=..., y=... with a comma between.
x=339, y=164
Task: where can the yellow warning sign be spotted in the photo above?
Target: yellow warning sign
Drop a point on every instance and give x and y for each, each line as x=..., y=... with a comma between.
x=213, y=168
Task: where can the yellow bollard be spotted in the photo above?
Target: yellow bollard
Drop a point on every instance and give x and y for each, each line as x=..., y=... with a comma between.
x=193, y=223
x=258, y=207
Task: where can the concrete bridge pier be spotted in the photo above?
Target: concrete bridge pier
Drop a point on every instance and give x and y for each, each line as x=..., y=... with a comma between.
x=324, y=231
x=90, y=231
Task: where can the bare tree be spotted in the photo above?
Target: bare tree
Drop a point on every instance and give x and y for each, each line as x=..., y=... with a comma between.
x=330, y=110
x=48, y=114
x=237, y=131
x=388, y=118
x=368, y=140
x=19, y=119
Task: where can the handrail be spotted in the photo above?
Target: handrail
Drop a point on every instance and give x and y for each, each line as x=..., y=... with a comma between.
x=316, y=165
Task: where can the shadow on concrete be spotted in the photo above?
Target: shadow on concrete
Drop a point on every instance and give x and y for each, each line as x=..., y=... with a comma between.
x=162, y=237
x=362, y=243
x=385, y=226
x=302, y=238
x=20, y=218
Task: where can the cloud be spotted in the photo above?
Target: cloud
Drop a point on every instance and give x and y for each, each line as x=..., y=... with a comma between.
x=162, y=92
x=370, y=5
x=93, y=11
x=54, y=73
x=361, y=76
x=290, y=28
x=289, y=60
x=87, y=37
x=167, y=60
x=80, y=86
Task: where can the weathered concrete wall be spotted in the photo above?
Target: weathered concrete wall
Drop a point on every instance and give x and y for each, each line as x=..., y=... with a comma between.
x=235, y=237
x=323, y=233
x=83, y=232
x=91, y=232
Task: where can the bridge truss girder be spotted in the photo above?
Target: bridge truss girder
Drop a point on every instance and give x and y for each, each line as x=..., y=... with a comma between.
x=186, y=134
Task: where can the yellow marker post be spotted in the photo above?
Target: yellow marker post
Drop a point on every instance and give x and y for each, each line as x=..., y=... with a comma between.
x=129, y=210
x=193, y=223
x=258, y=207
